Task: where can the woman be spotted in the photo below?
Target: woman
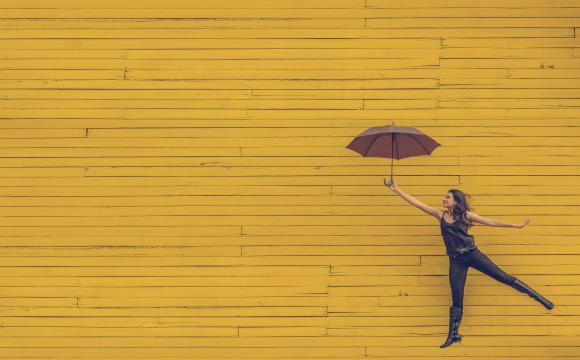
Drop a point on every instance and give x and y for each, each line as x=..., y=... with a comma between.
x=463, y=253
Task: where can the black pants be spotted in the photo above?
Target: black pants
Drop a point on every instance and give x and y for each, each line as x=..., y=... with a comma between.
x=459, y=265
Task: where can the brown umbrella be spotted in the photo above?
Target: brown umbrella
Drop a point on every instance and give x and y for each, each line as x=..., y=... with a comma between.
x=393, y=142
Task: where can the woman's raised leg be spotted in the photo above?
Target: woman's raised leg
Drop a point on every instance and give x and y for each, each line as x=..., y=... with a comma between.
x=481, y=262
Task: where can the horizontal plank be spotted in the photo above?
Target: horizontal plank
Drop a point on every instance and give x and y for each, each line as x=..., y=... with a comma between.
x=482, y=22
x=385, y=315
x=297, y=23
x=385, y=326
x=485, y=351
x=433, y=343
x=322, y=205
x=352, y=11
x=451, y=115
x=411, y=45
x=477, y=280
x=177, y=70
x=490, y=103
x=434, y=132
x=238, y=260
x=63, y=74
x=200, y=94
x=198, y=271
x=173, y=28
x=369, y=250
x=418, y=87
x=520, y=43
x=163, y=353
x=343, y=222
x=168, y=291
x=298, y=104
x=31, y=160
x=112, y=59
x=285, y=336
x=513, y=63
x=505, y=83
x=216, y=48
x=494, y=53
x=425, y=83
x=374, y=170
x=402, y=306
x=199, y=4
x=492, y=244
x=351, y=104
x=258, y=311
x=464, y=3
x=263, y=156
x=433, y=248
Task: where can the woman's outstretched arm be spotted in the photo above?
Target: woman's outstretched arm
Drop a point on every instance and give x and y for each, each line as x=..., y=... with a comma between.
x=471, y=216
x=413, y=201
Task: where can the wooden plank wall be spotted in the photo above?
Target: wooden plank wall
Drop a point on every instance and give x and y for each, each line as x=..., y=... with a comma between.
x=175, y=182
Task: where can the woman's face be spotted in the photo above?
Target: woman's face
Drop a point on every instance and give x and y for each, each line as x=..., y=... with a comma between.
x=448, y=200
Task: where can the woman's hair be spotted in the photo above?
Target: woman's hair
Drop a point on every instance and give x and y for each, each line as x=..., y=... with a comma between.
x=459, y=211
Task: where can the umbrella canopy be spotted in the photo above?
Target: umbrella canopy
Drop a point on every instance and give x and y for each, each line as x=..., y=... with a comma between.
x=393, y=141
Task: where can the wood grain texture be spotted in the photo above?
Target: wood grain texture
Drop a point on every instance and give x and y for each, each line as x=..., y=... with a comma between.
x=175, y=183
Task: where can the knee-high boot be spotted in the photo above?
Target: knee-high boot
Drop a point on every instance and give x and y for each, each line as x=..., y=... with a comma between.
x=524, y=288
x=455, y=315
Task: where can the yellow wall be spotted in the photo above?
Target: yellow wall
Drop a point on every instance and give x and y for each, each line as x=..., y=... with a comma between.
x=175, y=182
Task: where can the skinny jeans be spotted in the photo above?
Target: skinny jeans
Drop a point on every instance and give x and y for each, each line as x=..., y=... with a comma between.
x=459, y=265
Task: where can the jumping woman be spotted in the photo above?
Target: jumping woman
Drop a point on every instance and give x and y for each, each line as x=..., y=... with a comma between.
x=462, y=252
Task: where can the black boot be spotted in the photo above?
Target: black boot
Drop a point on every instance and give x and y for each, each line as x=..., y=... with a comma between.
x=524, y=288
x=455, y=315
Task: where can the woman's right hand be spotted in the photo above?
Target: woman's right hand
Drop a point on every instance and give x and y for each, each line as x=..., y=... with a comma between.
x=391, y=184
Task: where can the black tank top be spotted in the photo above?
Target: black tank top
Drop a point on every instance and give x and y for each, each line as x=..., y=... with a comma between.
x=457, y=240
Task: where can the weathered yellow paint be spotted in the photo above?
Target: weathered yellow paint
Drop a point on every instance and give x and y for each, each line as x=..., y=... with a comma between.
x=175, y=183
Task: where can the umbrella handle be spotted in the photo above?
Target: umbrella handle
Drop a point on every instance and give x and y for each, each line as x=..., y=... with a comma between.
x=393, y=141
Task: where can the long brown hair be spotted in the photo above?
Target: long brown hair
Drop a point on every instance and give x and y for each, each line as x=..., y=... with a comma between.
x=459, y=211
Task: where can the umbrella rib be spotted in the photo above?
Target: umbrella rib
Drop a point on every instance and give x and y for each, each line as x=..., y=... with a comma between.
x=371, y=145
x=412, y=137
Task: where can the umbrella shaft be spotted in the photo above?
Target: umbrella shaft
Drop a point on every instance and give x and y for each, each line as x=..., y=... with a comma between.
x=392, y=153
